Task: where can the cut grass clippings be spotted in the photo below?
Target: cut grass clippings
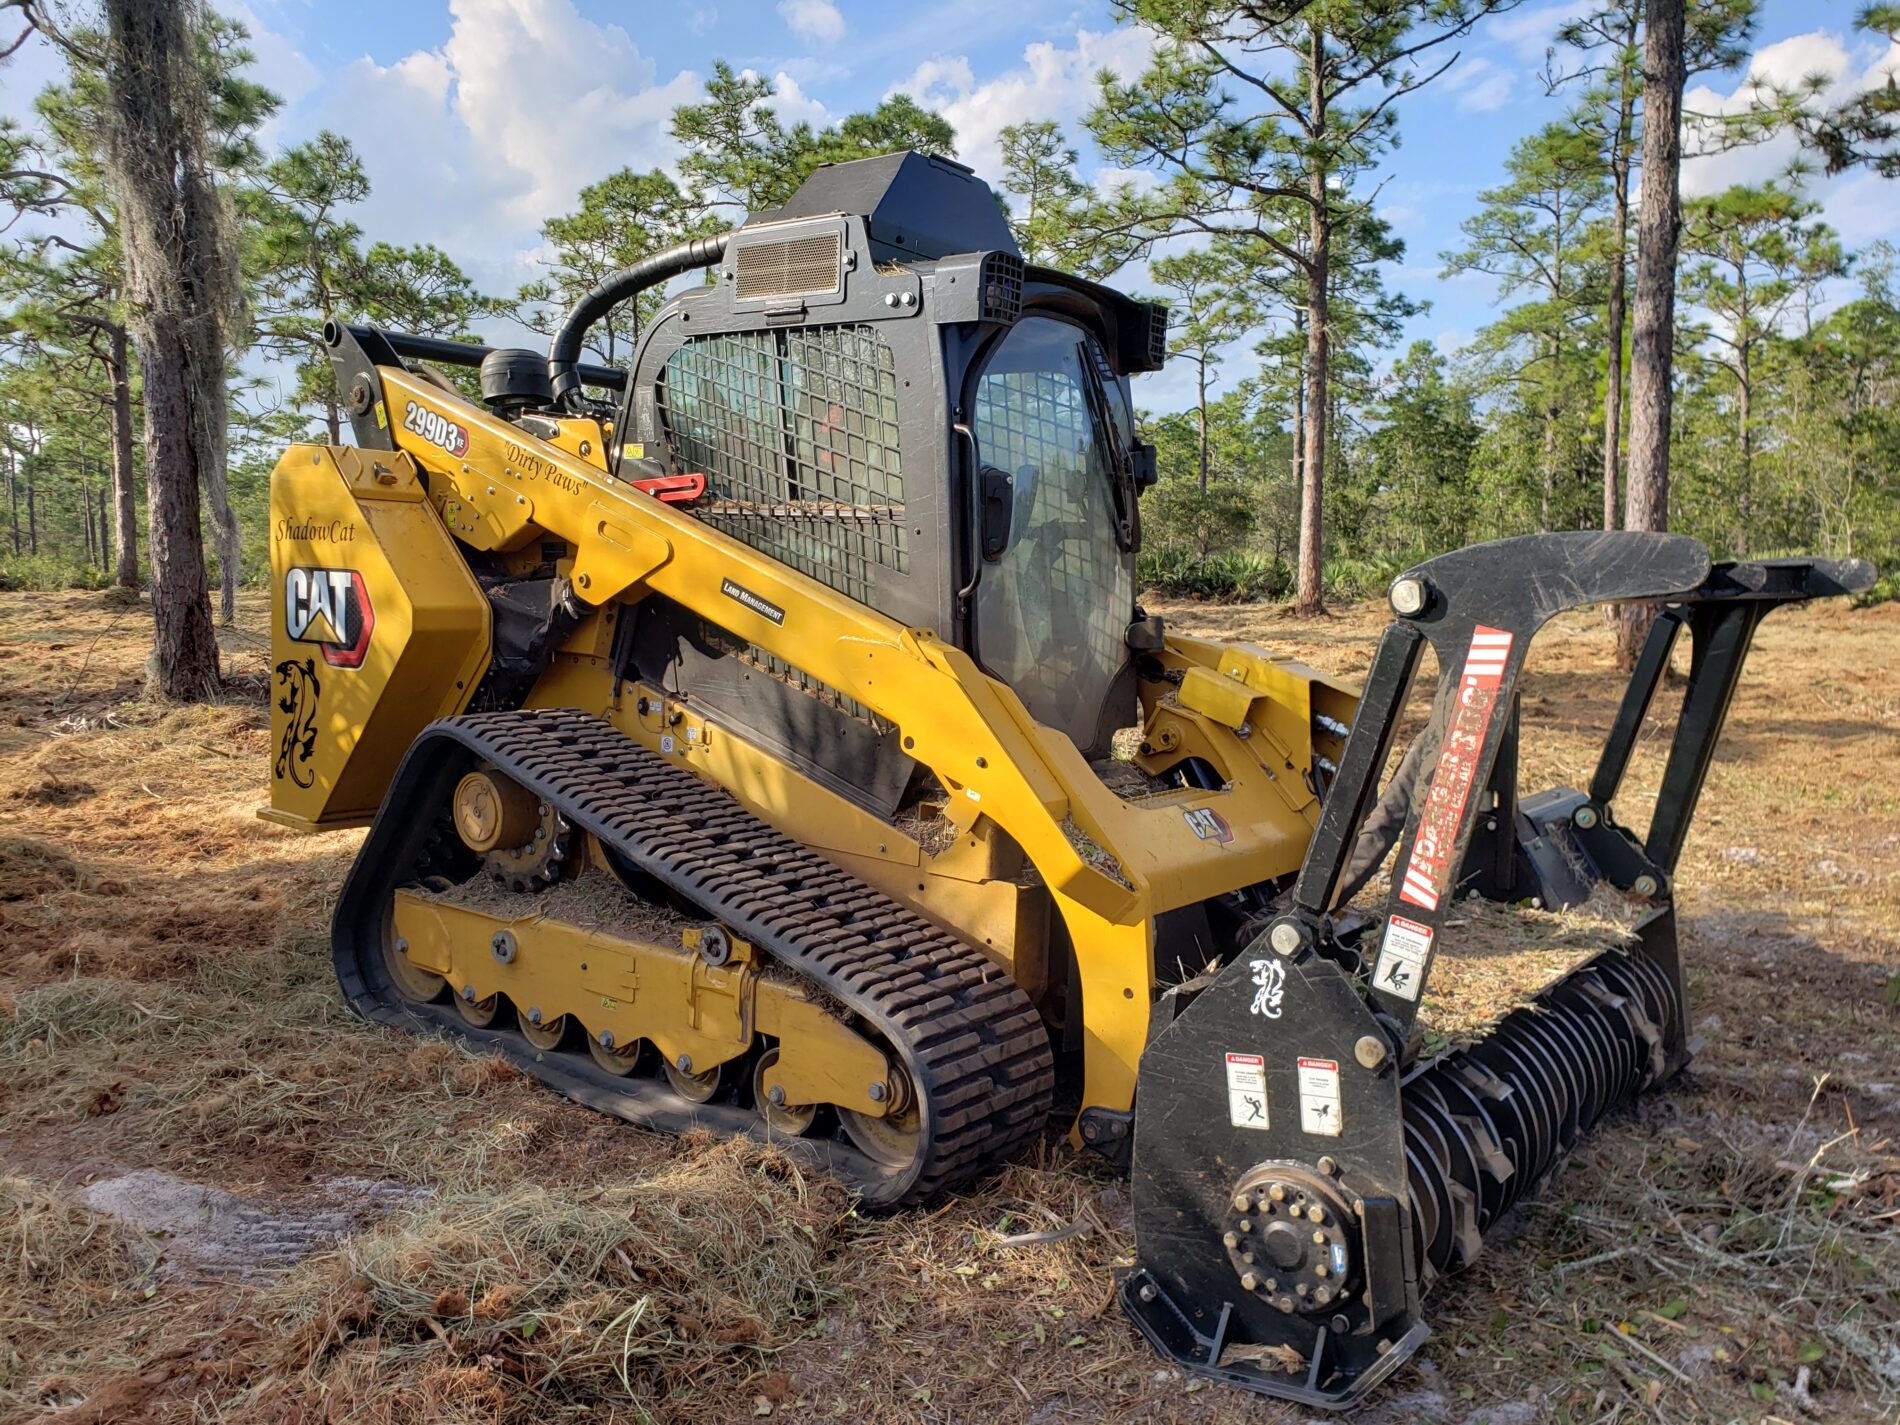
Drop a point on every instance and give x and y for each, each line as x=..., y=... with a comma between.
x=1726, y=1250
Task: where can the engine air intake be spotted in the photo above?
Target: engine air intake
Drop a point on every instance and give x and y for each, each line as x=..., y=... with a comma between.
x=789, y=268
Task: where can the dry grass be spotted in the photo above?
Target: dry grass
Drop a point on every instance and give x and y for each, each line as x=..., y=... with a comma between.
x=166, y=1002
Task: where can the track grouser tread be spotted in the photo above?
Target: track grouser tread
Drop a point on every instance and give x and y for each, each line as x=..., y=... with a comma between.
x=968, y=1037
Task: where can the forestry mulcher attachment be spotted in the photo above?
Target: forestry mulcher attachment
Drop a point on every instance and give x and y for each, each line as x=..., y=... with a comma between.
x=738, y=749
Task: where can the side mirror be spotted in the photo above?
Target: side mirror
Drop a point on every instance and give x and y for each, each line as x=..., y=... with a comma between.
x=1141, y=463
x=996, y=500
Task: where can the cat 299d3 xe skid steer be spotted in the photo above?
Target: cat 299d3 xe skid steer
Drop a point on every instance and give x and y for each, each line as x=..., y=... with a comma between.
x=736, y=749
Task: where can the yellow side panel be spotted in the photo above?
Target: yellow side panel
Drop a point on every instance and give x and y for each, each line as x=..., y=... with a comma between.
x=377, y=629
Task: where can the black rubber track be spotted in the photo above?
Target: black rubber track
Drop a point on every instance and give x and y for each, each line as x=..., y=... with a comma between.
x=971, y=1042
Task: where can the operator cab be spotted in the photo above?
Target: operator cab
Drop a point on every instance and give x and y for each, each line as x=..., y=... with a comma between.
x=880, y=394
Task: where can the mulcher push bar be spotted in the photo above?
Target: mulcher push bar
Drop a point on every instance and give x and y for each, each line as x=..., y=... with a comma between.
x=1299, y=1180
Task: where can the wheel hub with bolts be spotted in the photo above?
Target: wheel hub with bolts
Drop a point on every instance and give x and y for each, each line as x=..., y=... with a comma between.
x=1291, y=1238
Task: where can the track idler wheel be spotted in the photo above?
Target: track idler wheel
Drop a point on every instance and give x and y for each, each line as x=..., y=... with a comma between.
x=892, y=1139
x=619, y=1060
x=694, y=1088
x=790, y=1120
x=412, y=982
x=477, y=1013
x=545, y=1034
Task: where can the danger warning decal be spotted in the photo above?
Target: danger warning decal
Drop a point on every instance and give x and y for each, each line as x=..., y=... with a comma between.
x=330, y=608
x=1430, y=865
x=1247, y=1090
x=1402, y=957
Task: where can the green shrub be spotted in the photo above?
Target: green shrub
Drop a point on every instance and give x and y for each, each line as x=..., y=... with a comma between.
x=1365, y=578
x=1180, y=574
x=1886, y=589
x=50, y=571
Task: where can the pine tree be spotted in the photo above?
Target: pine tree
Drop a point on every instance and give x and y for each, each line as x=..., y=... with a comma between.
x=1260, y=120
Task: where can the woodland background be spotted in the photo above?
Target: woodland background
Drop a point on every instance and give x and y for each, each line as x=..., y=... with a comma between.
x=1249, y=211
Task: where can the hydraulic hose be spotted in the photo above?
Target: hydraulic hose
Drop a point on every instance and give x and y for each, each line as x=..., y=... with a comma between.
x=565, y=350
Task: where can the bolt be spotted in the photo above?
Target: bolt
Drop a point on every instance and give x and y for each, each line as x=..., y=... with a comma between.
x=777, y=1096
x=1383, y=1347
x=1645, y=886
x=1320, y=1237
x=982, y=762
x=1244, y=731
x=1247, y=1257
x=1341, y=1326
x=1586, y=817
x=1246, y=1224
x=585, y=580
x=1285, y=938
x=684, y=1063
x=468, y=993
x=877, y=1093
x=1322, y=1270
x=1329, y=1167
x=534, y=1016
x=1242, y=1203
x=1249, y=1282
x=402, y=946
x=909, y=299
x=1408, y=597
x=1277, y=1192
x=1147, y=1292
x=1299, y=1289
x=890, y=299
x=606, y=1038
x=1316, y=1213
x=1322, y=1295
x=1273, y=1283
x=1369, y=1051
x=1230, y=1240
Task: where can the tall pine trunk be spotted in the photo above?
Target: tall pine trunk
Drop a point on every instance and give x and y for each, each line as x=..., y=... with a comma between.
x=180, y=281
x=1614, y=319
x=1200, y=399
x=1653, y=320
x=125, y=505
x=1310, y=594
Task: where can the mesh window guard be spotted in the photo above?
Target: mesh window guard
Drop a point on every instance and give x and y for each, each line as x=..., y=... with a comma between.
x=796, y=432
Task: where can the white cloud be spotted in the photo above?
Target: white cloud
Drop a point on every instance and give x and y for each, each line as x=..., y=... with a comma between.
x=1480, y=85
x=1786, y=63
x=1054, y=82
x=525, y=103
x=1528, y=33
x=792, y=104
x=278, y=64
x=817, y=20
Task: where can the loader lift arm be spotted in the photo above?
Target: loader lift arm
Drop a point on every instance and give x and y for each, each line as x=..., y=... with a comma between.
x=1395, y=1169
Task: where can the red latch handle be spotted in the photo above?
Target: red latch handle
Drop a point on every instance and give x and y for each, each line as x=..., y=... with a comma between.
x=674, y=489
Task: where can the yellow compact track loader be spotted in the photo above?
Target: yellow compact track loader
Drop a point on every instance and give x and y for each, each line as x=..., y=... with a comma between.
x=772, y=743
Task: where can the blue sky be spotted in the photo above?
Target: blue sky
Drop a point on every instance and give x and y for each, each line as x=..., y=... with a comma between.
x=478, y=118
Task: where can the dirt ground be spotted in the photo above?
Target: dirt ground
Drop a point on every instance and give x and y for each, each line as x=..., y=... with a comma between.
x=223, y=1199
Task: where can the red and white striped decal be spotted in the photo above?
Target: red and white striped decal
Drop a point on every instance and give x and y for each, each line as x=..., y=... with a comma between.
x=1429, y=865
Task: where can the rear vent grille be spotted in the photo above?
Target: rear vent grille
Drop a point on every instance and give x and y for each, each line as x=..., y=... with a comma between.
x=1157, y=336
x=1002, y=287
x=787, y=269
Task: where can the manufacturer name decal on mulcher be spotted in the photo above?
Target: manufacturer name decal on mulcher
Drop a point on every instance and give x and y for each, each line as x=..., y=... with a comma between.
x=764, y=608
